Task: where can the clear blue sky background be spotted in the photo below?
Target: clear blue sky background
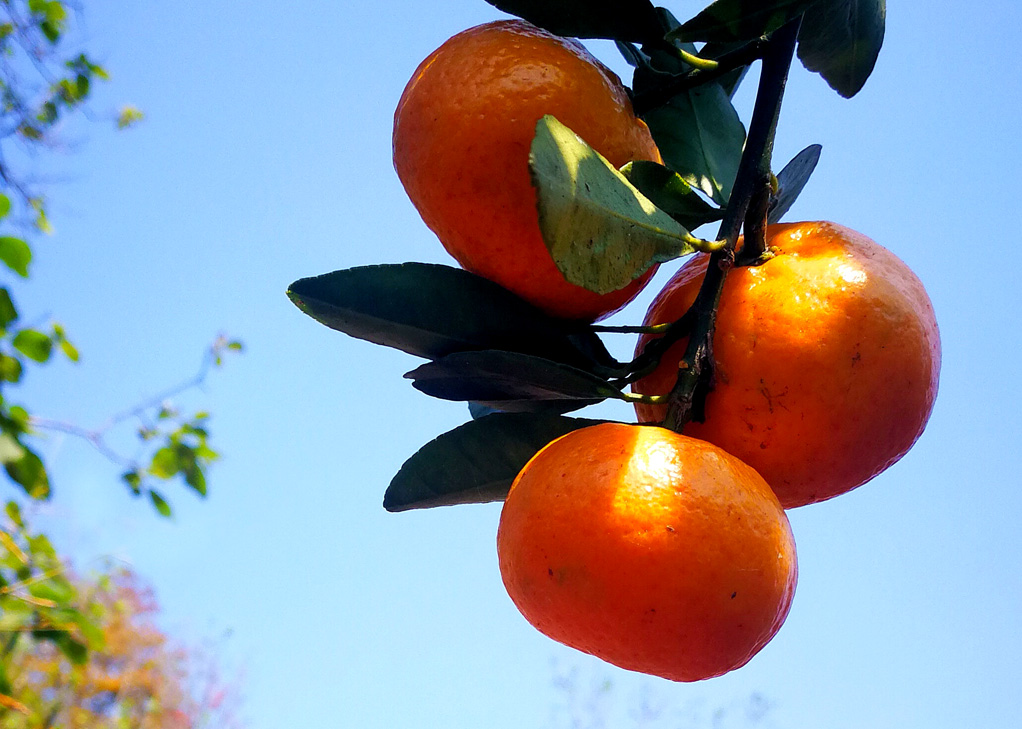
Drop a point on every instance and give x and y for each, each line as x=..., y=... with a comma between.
x=266, y=157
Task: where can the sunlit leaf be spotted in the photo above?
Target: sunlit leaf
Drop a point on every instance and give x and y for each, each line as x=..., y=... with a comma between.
x=476, y=462
x=669, y=192
x=33, y=344
x=16, y=254
x=601, y=231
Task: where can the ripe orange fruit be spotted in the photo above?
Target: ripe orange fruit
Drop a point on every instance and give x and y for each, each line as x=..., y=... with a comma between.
x=649, y=549
x=826, y=360
x=462, y=133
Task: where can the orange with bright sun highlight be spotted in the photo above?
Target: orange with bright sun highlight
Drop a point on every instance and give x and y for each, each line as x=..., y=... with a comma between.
x=826, y=360
x=649, y=549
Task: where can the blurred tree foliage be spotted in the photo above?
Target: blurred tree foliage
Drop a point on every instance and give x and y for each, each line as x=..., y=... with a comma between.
x=87, y=653
x=75, y=653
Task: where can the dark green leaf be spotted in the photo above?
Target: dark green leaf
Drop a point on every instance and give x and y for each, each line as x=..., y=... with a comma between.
x=669, y=192
x=601, y=231
x=195, y=478
x=8, y=312
x=17, y=254
x=430, y=311
x=792, y=179
x=30, y=473
x=5, y=682
x=475, y=462
x=841, y=40
x=133, y=479
x=630, y=20
x=508, y=381
x=731, y=20
x=72, y=649
x=33, y=344
x=160, y=503
x=701, y=137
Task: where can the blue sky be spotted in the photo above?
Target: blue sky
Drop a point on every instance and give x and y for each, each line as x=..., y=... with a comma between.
x=266, y=157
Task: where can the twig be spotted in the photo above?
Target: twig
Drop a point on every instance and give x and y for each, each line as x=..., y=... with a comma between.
x=695, y=374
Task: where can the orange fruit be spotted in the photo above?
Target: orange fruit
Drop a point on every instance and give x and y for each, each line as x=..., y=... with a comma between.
x=654, y=551
x=826, y=360
x=462, y=134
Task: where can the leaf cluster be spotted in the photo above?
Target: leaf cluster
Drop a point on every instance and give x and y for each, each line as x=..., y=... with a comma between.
x=521, y=370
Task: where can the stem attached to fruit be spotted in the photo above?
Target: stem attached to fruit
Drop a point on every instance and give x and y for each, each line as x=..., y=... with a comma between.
x=695, y=371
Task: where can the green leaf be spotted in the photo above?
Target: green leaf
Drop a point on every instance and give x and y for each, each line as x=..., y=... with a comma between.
x=165, y=463
x=841, y=40
x=133, y=479
x=630, y=20
x=195, y=477
x=160, y=503
x=69, y=350
x=5, y=206
x=430, y=311
x=476, y=462
x=792, y=179
x=508, y=381
x=11, y=449
x=30, y=473
x=10, y=368
x=14, y=514
x=5, y=682
x=732, y=20
x=601, y=231
x=73, y=650
x=17, y=254
x=8, y=312
x=701, y=137
x=669, y=192
x=33, y=344
x=56, y=589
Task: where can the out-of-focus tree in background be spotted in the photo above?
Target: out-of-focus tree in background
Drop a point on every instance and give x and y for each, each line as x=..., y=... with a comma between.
x=79, y=651
x=86, y=652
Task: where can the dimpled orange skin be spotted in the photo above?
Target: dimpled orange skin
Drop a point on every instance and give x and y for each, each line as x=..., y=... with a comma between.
x=826, y=361
x=654, y=551
x=462, y=134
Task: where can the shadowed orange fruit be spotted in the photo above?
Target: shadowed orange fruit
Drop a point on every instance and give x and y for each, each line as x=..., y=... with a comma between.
x=462, y=134
x=826, y=360
x=649, y=549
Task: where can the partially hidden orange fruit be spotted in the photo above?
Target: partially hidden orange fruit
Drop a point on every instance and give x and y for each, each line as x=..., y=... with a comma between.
x=649, y=549
x=462, y=134
x=826, y=360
